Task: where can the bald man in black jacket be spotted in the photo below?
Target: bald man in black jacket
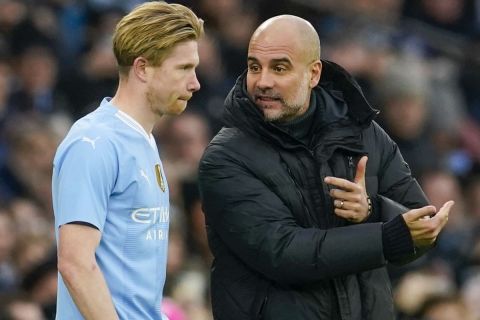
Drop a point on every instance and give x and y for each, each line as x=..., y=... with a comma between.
x=301, y=225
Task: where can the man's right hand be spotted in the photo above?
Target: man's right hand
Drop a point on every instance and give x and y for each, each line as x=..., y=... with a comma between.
x=425, y=225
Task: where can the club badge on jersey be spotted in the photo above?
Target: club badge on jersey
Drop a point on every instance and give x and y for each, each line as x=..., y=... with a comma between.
x=158, y=173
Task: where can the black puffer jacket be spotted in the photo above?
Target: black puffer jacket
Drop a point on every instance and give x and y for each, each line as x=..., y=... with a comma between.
x=280, y=251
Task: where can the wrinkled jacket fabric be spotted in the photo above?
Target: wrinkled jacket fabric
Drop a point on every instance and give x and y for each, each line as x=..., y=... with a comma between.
x=280, y=251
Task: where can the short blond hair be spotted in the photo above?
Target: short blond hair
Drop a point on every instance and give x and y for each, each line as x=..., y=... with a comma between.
x=151, y=30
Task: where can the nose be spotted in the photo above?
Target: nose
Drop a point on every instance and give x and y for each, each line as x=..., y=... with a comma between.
x=194, y=84
x=265, y=80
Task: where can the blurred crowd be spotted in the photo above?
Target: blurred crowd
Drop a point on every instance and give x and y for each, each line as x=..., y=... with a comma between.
x=418, y=62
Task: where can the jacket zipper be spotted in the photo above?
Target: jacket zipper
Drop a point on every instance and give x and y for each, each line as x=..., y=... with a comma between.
x=262, y=307
x=350, y=166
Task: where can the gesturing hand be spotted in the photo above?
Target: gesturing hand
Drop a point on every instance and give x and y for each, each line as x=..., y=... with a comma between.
x=350, y=198
x=424, y=228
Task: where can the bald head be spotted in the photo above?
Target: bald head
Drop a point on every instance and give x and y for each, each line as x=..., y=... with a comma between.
x=290, y=30
x=283, y=67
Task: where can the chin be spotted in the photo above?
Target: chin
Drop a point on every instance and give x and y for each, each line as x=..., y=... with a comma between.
x=273, y=115
x=177, y=109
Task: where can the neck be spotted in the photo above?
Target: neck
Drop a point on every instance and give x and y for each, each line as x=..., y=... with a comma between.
x=132, y=100
x=299, y=127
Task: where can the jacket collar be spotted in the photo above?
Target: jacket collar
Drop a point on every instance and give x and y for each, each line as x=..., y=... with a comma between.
x=241, y=111
x=339, y=82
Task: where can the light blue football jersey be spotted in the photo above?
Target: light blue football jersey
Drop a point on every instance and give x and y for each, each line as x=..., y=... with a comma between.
x=107, y=172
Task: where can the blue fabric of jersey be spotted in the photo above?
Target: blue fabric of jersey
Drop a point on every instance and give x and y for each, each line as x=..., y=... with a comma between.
x=108, y=173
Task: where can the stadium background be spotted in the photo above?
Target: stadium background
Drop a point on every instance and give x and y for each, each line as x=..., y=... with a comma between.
x=417, y=60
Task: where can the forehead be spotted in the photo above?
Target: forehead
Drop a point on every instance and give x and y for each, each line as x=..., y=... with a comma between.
x=183, y=52
x=273, y=45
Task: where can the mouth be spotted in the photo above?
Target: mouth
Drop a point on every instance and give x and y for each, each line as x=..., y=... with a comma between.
x=266, y=98
x=267, y=102
x=185, y=98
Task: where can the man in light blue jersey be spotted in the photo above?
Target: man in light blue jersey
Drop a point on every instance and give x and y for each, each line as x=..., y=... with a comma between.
x=110, y=194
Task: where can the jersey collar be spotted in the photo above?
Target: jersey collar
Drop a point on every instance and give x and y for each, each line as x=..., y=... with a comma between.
x=132, y=123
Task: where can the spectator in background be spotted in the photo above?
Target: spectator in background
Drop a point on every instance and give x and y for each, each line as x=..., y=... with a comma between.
x=96, y=75
x=31, y=143
x=40, y=283
x=473, y=197
x=402, y=93
x=470, y=77
x=8, y=274
x=453, y=247
x=418, y=287
x=470, y=292
x=214, y=79
x=172, y=310
x=224, y=16
x=472, y=194
x=189, y=291
x=31, y=250
x=445, y=308
x=36, y=93
x=177, y=250
x=19, y=306
x=6, y=79
x=451, y=15
x=12, y=13
x=184, y=139
x=31, y=219
x=38, y=27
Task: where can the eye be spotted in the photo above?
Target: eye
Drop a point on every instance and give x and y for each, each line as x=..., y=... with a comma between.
x=253, y=68
x=279, y=68
x=186, y=67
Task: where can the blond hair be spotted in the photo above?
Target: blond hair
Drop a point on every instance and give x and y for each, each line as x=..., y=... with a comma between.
x=151, y=30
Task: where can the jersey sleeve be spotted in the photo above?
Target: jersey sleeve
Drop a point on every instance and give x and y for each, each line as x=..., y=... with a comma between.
x=83, y=179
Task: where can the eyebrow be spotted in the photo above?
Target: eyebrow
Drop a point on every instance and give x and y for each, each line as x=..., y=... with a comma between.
x=282, y=60
x=274, y=61
x=187, y=65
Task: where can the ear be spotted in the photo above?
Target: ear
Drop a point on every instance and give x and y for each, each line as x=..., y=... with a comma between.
x=316, y=72
x=139, y=68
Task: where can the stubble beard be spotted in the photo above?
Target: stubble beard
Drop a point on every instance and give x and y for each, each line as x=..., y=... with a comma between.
x=153, y=103
x=287, y=112
x=290, y=111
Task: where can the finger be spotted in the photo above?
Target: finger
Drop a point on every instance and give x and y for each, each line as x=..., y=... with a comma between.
x=444, y=211
x=416, y=214
x=349, y=215
x=344, y=213
x=447, y=206
x=341, y=183
x=345, y=204
x=345, y=195
x=361, y=169
x=425, y=231
x=338, y=203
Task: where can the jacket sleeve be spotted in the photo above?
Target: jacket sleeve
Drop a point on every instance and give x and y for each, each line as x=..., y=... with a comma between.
x=398, y=191
x=260, y=230
x=395, y=178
